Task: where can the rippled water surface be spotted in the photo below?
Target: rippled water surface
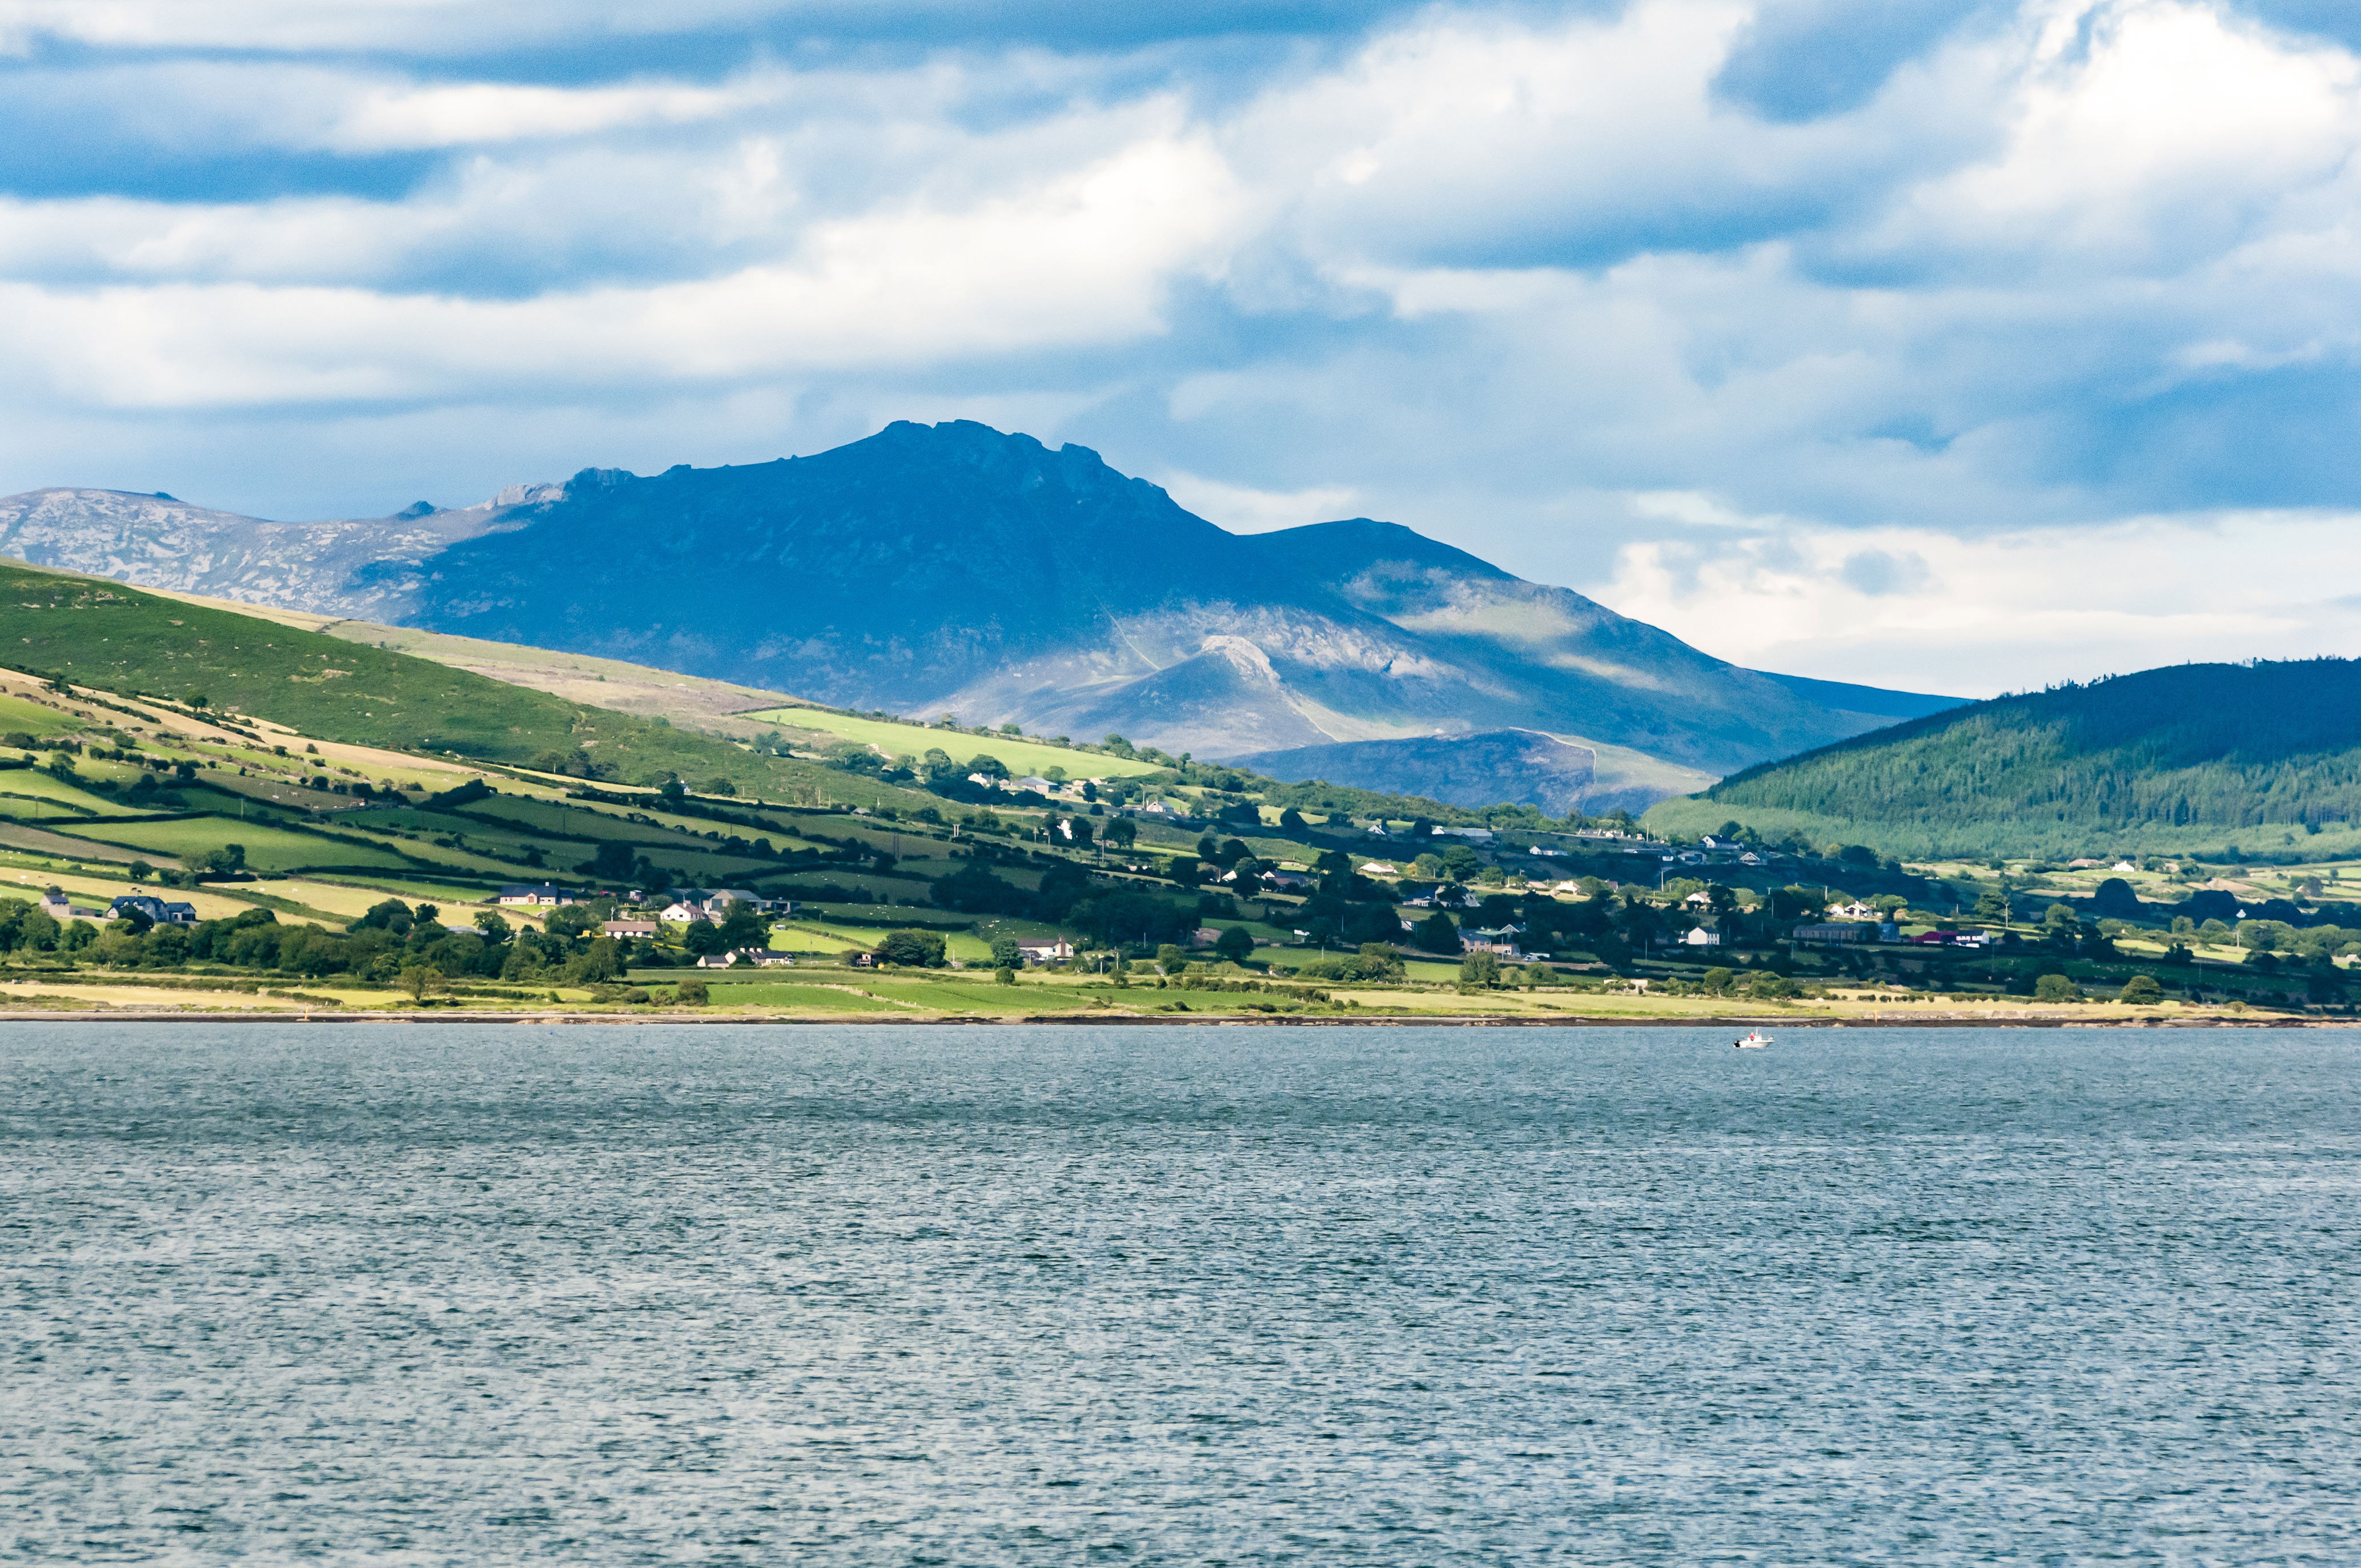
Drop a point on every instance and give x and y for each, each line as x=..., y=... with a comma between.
x=475, y=1294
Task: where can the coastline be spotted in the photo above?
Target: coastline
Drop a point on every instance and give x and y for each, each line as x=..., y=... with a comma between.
x=1194, y=1020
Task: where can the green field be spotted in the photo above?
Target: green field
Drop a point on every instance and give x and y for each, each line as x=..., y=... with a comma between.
x=895, y=739
x=104, y=635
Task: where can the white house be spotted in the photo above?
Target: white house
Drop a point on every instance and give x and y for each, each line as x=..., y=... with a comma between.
x=543, y=895
x=1699, y=900
x=1701, y=936
x=1045, y=952
x=1380, y=867
x=685, y=914
x=1481, y=835
x=628, y=928
x=1856, y=910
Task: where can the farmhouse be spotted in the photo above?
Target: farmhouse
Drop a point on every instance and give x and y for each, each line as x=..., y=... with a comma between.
x=541, y=895
x=157, y=911
x=1051, y=951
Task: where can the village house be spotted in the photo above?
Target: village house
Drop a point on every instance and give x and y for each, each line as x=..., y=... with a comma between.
x=1701, y=936
x=540, y=896
x=1380, y=867
x=755, y=958
x=628, y=928
x=1856, y=910
x=157, y=911
x=1055, y=950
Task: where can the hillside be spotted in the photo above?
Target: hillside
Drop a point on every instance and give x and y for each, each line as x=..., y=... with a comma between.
x=954, y=568
x=2189, y=758
x=97, y=633
x=1514, y=767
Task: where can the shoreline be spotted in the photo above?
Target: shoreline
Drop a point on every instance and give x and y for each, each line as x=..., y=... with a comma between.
x=555, y=1018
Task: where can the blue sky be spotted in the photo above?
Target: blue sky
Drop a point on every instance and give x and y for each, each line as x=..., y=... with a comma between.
x=1962, y=345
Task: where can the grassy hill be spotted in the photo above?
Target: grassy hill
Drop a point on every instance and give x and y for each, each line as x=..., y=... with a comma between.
x=104, y=635
x=2186, y=758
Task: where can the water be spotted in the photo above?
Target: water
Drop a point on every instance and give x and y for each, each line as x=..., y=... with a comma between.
x=456, y=1294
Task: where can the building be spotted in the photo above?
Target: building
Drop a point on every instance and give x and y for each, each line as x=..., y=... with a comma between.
x=630, y=929
x=1481, y=835
x=542, y=896
x=1701, y=936
x=1856, y=910
x=754, y=957
x=158, y=911
x=1716, y=841
x=1052, y=952
x=1699, y=900
x=1833, y=934
x=1380, y=867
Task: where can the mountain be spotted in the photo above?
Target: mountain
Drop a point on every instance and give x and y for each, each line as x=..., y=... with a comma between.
x=2227, y=758
x=1507, y=767
x=953, y=568
x=346, y=566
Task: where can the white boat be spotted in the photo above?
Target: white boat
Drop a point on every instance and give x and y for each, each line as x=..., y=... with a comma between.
x=1753, y=1042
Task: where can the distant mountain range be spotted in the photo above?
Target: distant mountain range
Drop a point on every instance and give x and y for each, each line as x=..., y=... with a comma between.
x=2228, y=759
x=956, y=569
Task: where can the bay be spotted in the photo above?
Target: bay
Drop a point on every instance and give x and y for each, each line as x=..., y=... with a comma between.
x=457, y=1294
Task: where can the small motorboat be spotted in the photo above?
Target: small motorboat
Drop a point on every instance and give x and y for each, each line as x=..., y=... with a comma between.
x=1753, y=1042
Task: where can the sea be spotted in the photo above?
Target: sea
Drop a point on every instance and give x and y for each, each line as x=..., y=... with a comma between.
x=461, y=1293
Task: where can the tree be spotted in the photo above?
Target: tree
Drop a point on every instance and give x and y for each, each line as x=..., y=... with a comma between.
x=1765, y=986
x=1292, y=821
x=1123, y=832
x=1235, y=943
x=990, y=766
x=691, y=992
x=1991, y=904
x=2141, y=990
x=494, y=925
x=1436, y=934
x=1170, y=958
x=2056, y=988
x=912, y=950
x=704, y=939
x=1718, y=981
x=1005, y=954
x=744, y=929
x=423, y=980
x=1078, y=828
x=1481, y=967
x=1005, y=975
x=1428, y=868
x=613, y=861
x=141, y=870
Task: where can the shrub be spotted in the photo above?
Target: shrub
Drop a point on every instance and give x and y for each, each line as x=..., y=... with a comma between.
x=2057, y=988
x=2141, y=989
x=691, y=992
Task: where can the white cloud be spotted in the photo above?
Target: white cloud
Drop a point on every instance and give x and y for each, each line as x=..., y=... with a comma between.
x=1243, y=509
x=1977, y=617
x=1086, y=257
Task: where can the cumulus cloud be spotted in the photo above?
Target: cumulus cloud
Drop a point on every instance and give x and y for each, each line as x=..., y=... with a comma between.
x=1674, y=300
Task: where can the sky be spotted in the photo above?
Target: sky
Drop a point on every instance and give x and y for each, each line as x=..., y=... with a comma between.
x=1961, y=346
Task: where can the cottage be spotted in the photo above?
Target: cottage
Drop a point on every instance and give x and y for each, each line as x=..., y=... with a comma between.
x=1286, y=878
x=685, y=913
x=1051, y=951
x=1480, y=835
x=156, y=910
x=1856, y=910
x=542, y=896
x=628, y=928
x=1716, y=841
x=1380, y=867
x=1752, y=858
x=1701, y=936
x=1699, y=900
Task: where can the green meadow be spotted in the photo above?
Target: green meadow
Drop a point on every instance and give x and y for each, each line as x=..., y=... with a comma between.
x=898, y=739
